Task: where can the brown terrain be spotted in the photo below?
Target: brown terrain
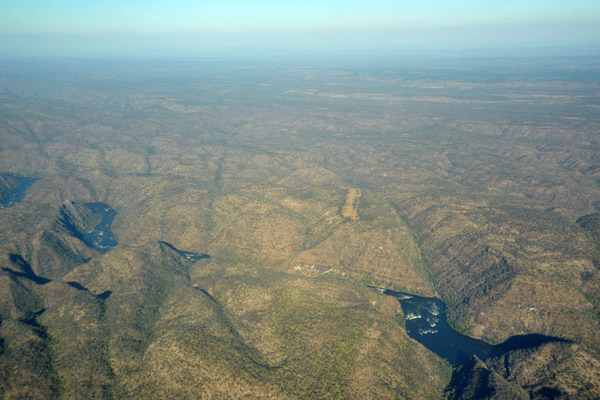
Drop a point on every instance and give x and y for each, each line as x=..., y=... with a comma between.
x=480, y=186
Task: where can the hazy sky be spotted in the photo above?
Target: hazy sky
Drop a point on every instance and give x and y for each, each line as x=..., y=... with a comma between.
x=82, y=27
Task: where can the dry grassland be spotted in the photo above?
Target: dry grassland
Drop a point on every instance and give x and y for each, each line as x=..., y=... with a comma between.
x=349, y=209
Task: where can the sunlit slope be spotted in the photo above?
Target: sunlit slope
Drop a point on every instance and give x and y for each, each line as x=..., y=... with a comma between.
x=171, y=329
x=244, y=332
x=482, y=188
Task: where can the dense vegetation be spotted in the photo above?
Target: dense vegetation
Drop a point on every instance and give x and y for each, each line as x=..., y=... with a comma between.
x=475, y=181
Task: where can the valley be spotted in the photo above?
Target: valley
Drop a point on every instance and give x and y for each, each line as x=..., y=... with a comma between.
x=211, y=228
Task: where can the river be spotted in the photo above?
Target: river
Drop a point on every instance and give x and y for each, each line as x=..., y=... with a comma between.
x=425, y=320
x=101, y=237
x=18, y=194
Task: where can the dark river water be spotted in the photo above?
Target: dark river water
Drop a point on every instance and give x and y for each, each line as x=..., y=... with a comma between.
x=101, y=237
x=426, y=322
x=19, y=194
x=193, y=257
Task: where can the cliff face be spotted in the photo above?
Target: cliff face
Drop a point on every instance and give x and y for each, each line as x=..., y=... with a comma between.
x=58, y=249
x=539, y=275
x=7, y=185
x=553, y=370
x=475, y=380
x=76, y=219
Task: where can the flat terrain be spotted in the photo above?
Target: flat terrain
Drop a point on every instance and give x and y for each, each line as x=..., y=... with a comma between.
x=477, y=181
x=352, y=199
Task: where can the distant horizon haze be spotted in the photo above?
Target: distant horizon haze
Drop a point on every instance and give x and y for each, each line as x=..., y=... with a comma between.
x=65, y=28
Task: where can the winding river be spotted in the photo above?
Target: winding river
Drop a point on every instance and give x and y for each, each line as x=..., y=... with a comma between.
x=101, y=237
x=425, y=320
x=18, y=194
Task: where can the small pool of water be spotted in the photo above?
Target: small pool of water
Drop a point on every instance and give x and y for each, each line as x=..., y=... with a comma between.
x=193, y=257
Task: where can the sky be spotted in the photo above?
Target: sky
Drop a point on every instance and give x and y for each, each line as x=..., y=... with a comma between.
x=197, y=28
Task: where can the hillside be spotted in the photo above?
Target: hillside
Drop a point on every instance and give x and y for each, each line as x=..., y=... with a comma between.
x=479, y=185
